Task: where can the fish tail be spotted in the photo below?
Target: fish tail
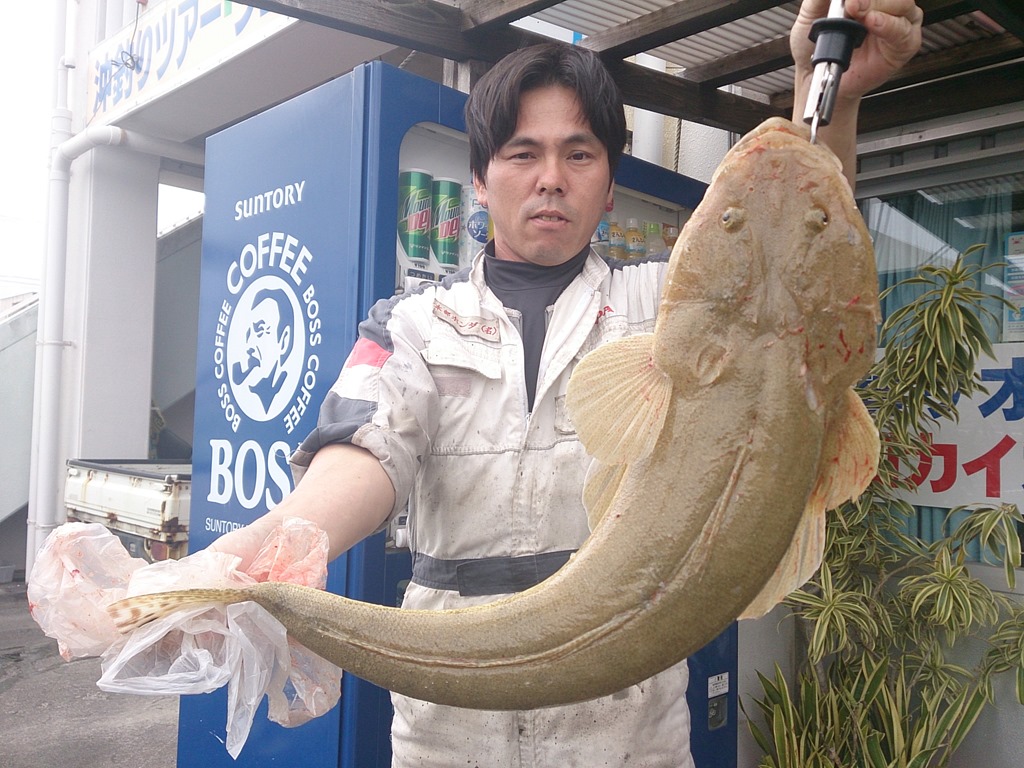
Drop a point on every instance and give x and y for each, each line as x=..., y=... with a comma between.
x=133, y=612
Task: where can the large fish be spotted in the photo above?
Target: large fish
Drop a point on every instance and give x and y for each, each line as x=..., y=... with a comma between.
x=722, y=439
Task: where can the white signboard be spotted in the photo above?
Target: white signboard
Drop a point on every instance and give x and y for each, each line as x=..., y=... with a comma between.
x=981, y=458
x=171, y=43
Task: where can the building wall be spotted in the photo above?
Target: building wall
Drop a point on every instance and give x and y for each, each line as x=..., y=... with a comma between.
x=997, y=739
x=176, y=314
x=700, y=149
x=17, y=362
x=109, y=300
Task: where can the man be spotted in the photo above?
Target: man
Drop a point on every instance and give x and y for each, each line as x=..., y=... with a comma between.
x=453, y=398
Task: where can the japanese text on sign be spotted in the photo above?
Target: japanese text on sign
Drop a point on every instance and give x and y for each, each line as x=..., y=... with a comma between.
x=172, y=41
x=980, y=459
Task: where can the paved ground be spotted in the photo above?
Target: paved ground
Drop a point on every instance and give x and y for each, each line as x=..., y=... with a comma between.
x=52, y=715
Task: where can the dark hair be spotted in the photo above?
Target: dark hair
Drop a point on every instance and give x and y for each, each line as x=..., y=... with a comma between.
x=492, y=109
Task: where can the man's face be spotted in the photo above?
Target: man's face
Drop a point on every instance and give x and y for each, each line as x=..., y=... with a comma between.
x=549, y=184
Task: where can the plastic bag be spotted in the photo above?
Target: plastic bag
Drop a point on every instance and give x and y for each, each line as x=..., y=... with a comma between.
x=82, y=568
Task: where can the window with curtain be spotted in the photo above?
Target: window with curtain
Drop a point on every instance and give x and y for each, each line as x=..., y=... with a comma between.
x=932, y=226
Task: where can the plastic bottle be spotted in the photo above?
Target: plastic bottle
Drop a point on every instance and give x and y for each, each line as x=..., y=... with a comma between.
x=635, y=245
x=670, y=233
x=599, y=241
x=654, y=243
x=616, y=240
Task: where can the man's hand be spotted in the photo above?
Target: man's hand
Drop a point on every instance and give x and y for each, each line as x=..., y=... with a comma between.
x=893, y=37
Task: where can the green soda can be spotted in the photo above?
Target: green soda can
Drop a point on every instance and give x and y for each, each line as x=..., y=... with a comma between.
x=446, y=217
x=414, y=191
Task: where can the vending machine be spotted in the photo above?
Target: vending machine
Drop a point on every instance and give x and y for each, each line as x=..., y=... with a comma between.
x=314, y=210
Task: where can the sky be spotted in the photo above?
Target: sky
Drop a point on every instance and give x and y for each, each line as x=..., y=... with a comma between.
x=26, y=45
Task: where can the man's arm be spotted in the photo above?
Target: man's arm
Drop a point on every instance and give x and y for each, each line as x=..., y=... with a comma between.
x=345, y=491
x=894, y=36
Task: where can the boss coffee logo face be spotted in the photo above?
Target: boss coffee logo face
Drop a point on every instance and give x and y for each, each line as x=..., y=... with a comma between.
x=264, y=349
x=267, y=332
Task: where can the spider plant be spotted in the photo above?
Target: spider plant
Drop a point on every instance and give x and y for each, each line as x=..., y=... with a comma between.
x=884, y=624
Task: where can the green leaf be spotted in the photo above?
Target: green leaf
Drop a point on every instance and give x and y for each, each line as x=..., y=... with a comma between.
x=875, y=755
x=874, y=678
x=970, y=715
x=950, y=712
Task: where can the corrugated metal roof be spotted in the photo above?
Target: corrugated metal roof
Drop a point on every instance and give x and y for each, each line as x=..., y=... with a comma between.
x=592, y=16
x=974, y=48
x=589, y=17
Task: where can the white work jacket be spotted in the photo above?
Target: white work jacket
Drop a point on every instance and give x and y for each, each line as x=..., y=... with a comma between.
x=435, y=388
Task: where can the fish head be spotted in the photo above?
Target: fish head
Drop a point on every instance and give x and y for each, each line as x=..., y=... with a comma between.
x=776, y=252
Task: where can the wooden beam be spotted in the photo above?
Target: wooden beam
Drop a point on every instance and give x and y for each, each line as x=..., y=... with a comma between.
x=742, y=65
x=943, y=10
x=927, y=67
x=671, y=23
x=421, y=25
x=676, y=97
x=775, y=54
x=961, y=58
x=1009, y=14
x=480, y=15
x=950, y=96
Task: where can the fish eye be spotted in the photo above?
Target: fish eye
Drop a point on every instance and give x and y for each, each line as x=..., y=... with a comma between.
x=733, y=218
x=816, y=219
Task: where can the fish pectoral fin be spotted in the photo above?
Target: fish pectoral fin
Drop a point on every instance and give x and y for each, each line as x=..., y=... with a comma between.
x=850, y=453
x=599, y=489
x=849, y=462
x=618, y=398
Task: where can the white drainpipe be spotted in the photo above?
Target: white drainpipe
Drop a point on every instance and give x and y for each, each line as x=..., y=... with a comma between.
x=649, y=127
x=45, y=508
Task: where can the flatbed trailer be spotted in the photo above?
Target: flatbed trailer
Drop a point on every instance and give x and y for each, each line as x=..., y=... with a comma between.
x=144, y=502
